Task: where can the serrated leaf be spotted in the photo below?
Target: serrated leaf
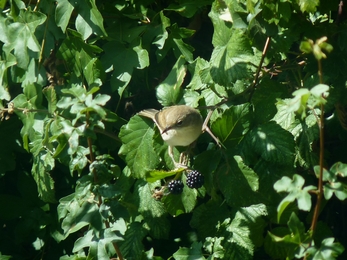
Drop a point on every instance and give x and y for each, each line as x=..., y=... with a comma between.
x=214, y=247
x=232, y=123
x=232, y=57
x=100, y=246
x=309, y=6
x=137, y=147
x=191, y=98
x=207, y=216
x=42, y=165
x=147, y=203
x=238, y=243
x=196, y=68
x=194, y=252
x=182, y=203
x=169, y=91
x=132, y=246
x=234, y=179
x=272, y=143
x=284, y=117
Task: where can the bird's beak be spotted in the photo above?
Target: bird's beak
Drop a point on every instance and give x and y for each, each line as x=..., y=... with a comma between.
x=165, y=130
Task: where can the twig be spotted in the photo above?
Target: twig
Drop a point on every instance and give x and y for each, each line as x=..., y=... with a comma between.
x=255, y=81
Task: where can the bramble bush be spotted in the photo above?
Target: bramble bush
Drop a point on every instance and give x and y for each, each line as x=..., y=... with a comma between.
x=83, y=177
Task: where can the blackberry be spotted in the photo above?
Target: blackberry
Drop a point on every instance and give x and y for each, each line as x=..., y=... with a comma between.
x=175, y=186
x=195, y=180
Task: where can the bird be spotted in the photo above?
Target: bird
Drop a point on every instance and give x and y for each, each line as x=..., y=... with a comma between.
x=179, y=125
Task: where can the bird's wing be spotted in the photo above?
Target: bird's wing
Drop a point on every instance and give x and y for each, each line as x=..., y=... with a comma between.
x=150, y=113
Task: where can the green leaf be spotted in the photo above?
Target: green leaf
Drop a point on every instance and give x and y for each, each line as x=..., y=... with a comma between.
x=94, y=73
x=77, y=53
x=299, y=102
x=309, y=6
x=33, y=92
x=42, y=165
x=238, y=243
x=191, y=98
x=63, y=13
x=188, y=8
x=155, y=175
x=272, y=143
x=169, y=91
x=78, y=210
x=296, y=192
x=234, y=178
x=4, y=65
x=130, y=57
x=232, y=123
x=339, y=169
x=285, y=117
x=214, y=247
x=20, y=36
x=162, y=34
x=99, y=245
x=132, y=246
x=183, y=203
x=88, y=20
x=207, y=216
x=195, y=68
x=186, y=49
x=327, y=250
x=137, y=148
x=51, y=97
x=297, y=240
x=147, y=204
x=194, y=252
x=333, y=185
x=232, y=57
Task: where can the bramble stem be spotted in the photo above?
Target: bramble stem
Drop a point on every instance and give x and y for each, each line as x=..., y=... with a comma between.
x=321, y=158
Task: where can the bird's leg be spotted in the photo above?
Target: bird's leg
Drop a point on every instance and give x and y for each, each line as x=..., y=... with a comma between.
x=183, y=159
x=181, y=163
x=208, y=130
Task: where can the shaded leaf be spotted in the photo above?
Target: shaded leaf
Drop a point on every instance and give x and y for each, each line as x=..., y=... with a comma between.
x=137, y=147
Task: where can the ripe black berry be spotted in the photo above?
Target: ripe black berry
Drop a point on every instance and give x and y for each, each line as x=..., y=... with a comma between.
x=175, y=186
x=195, y=179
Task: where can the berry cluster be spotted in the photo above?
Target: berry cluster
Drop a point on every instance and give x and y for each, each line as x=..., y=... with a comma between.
x=175, y=186
x=195, y=180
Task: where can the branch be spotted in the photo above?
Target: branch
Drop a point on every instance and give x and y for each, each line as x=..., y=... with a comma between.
x=321, y=158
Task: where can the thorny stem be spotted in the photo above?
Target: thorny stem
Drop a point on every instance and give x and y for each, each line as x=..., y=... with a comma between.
x=250, y=89
x=255, y=81
x=321, y=158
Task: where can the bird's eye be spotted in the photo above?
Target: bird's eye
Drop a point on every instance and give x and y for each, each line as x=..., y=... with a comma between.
x=179, y=122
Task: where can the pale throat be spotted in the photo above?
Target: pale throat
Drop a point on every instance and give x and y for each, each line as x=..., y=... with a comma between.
x=183, y=136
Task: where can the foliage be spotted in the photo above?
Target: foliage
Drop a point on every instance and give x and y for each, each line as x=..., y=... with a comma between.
x=83, y=177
